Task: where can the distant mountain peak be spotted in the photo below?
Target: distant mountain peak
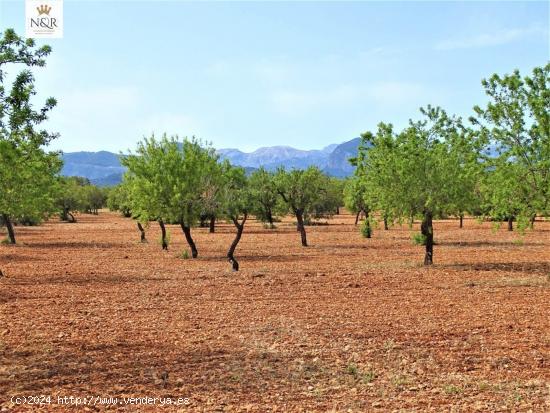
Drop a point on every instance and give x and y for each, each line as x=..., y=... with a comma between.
x=104, y=167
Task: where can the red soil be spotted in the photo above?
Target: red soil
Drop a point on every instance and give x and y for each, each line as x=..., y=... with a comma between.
x=347, y=324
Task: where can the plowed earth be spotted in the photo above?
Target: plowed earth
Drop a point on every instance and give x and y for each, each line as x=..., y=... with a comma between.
x=347, y=324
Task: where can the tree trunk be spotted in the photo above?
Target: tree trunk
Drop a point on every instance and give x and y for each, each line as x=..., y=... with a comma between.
x=67, y=216
x=163, y=230
x=510, y=223
x=428, y=233
x=300, y=218
x=357, y=217
x=337, y=210
x=532, y=221
x=367, y=224
x=187, y=232
x=142, y=231
x=212, y=224
x=231, y=251
x=461, y=225
x=270, y=217
x=202, y=223
x=386, y=223
x=9, y=227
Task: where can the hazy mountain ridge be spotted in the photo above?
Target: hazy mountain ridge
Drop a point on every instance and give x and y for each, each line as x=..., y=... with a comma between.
x=96, y=166
x=338, y=160
x=275, y=156
x=104, y=169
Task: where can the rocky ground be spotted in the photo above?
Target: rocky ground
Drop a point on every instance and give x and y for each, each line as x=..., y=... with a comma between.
x=347, y=324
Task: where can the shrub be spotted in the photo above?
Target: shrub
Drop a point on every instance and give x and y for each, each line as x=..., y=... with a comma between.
x=366, y=229
x=418, y=239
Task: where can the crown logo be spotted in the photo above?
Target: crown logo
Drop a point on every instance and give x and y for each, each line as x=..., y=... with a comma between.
x=43, y=9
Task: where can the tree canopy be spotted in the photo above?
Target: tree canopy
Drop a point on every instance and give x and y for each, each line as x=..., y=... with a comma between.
x=27, y=175
x=516, y=126
x=302, y=191
x=423, y=170
x=167, y=179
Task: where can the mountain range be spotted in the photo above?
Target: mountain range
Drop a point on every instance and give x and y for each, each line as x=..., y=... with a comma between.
x=104, y=169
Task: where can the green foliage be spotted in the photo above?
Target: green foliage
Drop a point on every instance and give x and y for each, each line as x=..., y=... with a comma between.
x=352, y=369
x=76, y=194
x=26, y=180
x=211, y=197
x=366, y=229
x=516, y=122
x=331, y=199
x=118, y=199
x=355, y=194
x=429, y=166
x=518, y=242
x=429, y=169
x=27, y=175
x=236, y=195
x=305, y=191
x=418, y=238
x=364, y=376
x=267, y=204
x=185, y=255
x=69, y=197
x=95, y=198
x=167, y=179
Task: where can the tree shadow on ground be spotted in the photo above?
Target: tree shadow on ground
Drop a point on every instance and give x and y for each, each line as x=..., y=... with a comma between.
x=19, y=258
x=258, y=258
x=87, y=280
x=137, y=369
x=489, y=244
x=533, y=268
x=77, y=245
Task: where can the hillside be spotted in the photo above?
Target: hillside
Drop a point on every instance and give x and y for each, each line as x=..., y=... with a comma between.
x=104, y=169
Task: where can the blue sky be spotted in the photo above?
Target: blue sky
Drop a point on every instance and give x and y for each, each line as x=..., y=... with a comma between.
x=247, y=75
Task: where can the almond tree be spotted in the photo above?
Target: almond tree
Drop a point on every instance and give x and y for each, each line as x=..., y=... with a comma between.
x=267, y=204
x=118, y=199
x=421, y=170
x=237, y=200
x=516, y=122
x=211, y=198
x=355, y=196
x=70, y=197
x=301, y=190
x=167, y=179
x=27, y=173
x=331, y=200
